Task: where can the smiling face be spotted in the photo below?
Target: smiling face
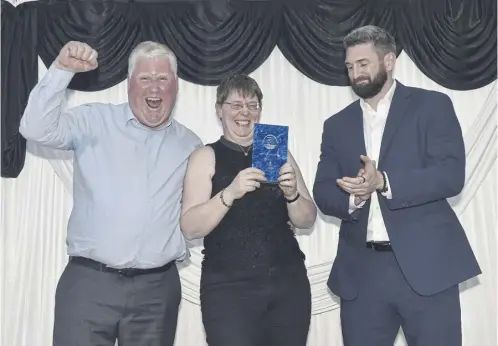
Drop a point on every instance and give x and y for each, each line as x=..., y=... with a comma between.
x=238, y=115
x=238, y=105
x=152, y=91
x=368, y=69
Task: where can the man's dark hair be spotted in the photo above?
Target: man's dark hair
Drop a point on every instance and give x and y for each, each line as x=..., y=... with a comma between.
x=382, y=40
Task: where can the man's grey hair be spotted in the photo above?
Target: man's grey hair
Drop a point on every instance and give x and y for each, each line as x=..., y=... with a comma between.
x=382, y=40
x=150, y=49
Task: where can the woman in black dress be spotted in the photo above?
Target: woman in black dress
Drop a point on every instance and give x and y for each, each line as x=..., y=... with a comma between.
x=254, y=285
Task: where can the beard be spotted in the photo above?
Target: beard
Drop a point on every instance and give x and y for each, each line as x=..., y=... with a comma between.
x=371, y=87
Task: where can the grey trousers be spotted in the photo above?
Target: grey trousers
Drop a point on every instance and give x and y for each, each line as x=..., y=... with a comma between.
x=94, y=308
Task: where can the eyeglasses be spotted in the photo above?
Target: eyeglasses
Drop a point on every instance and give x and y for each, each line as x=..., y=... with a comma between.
x=237, y=106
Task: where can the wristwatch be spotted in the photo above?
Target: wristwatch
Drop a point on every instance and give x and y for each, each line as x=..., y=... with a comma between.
x=384, y=187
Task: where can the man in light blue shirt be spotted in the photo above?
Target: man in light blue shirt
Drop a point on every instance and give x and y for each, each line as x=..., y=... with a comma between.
x=123, y=234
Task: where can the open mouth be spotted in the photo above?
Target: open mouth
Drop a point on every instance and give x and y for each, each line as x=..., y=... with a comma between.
x=243, y=123
x=153, y=102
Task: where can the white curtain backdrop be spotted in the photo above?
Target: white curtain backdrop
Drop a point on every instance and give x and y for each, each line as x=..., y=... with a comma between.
x=16, y=3
x=36, y=206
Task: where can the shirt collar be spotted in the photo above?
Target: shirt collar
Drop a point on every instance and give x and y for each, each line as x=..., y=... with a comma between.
x=130, y=118
x=387, y=97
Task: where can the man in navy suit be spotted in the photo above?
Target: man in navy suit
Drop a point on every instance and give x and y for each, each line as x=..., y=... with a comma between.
x=402, y=251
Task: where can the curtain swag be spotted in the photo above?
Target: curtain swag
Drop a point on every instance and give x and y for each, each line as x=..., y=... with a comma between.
x=453, y=42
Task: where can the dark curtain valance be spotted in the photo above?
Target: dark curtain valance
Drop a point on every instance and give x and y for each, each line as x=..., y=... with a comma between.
x=211, y=39
x=453, y=42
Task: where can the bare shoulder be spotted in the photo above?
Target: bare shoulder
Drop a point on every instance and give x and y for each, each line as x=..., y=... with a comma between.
x=203, y=159
x=204, y=153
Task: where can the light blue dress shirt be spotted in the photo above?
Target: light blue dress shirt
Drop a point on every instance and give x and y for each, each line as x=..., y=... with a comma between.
x=128, y=179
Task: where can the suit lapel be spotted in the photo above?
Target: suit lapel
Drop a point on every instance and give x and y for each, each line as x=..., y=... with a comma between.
x=397, y=112
x=357, y=145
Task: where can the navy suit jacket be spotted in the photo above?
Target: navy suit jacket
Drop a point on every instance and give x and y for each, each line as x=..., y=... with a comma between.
x=422, y=152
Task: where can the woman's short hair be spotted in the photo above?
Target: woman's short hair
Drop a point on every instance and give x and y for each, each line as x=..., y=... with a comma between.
x=240, y=83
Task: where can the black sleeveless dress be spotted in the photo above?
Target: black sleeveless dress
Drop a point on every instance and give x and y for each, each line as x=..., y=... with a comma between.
x=255, y=233
x=254, y=285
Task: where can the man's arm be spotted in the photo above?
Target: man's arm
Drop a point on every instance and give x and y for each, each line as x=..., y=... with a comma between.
x=329, y=198
x=42, y=121
x=444, y=174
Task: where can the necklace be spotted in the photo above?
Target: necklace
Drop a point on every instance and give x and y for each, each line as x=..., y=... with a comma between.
x=248, y=149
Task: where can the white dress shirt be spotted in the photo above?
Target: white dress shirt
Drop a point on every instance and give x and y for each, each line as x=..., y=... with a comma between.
x=374, y=122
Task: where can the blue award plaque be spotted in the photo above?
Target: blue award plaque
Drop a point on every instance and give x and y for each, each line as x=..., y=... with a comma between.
x=269, y=151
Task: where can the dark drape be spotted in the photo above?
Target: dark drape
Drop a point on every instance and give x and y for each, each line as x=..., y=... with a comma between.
x=311, y=38
x=453, y=42
x=113, y=29
x=210, y=39
x=213, y=40
x=19, y=76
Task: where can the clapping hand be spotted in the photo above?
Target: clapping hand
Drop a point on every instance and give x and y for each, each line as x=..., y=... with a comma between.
x=361, y=198
x=367, y=181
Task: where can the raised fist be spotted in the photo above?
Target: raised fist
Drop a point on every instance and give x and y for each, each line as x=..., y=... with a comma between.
x=77, y=57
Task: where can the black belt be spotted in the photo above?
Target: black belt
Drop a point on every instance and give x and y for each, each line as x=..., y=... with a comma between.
x=128, y=272
x=379, y=246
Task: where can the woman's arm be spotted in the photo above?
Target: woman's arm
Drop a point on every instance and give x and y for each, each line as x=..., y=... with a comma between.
x=302, y=212
x=200, y=213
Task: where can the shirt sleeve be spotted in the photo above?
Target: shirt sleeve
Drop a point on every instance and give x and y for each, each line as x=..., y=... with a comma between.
x=352, y=205
x=43, y=120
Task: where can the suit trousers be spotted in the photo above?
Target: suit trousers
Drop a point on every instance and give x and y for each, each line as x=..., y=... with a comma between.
x=270, y=307
x=386, y=302
x=97, y=308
